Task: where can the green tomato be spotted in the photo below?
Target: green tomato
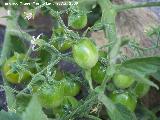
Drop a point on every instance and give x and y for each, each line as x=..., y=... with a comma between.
x=39, y=81
x=98, y=72
x=69, y=103
x=77, y=21
x=12, y=74
x=123, y=81
x=85, y=53
x=71, y=88
x=50, y=96
x=141, y=89
x=63, y=45
x=124, y=98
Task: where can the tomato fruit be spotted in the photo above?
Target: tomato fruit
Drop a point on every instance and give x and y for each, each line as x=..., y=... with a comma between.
x=13, y=74
x=141, y=89
x=39, y=81
x=63, y=45
x=124, y=98
x=50, y=95
x=85, y=53
x=77, y=21
x=99, y=70
x=123, y=81
x=68, y=104
x=61, y=42
x=71, y=88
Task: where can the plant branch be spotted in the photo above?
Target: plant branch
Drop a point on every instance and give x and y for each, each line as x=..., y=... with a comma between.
x=88, y=77
x=136, y=5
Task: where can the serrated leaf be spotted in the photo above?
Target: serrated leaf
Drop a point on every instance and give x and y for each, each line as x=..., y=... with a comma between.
x=22, y=102
x=9, y=116
x=10, y=97
x=145, y=66
x=139, y=68
x=156, y=75
x=116, y=112
x=18, y=45
x=34, y=111
x=22, y=22
x=138, y=76
x=144, y=113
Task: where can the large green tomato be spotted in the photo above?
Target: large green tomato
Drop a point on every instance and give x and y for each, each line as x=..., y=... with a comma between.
x=123, y=81
x=85, y=53
x=50, y=96
x=71, y=88
x=69, y=103
x=141, y=89
x=10, y=72
x=124, y=98
x=77, y=21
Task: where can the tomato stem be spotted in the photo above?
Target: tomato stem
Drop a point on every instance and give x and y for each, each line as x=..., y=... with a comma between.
x=136, y=5
x=88, y=77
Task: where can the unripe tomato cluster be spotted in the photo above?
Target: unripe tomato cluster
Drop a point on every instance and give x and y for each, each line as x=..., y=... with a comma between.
x=86, y=56
x=59, y=94
x=51, y=96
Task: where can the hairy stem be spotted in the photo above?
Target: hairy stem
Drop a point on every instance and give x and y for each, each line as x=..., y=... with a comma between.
x=136, y=5
x=88, y=77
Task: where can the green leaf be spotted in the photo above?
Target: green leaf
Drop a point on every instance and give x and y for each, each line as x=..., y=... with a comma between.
x=145, y=66
x=22, y=22
x=139, y=77
x=17, y=44
x=139, y=68
x=10, y=97
x=34, y=111
x=22, y=102
x=9, y=116
x=144, y=113
x=156, y=75
x=116, y=112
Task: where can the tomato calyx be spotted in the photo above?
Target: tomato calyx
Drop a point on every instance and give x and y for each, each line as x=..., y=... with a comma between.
x=16, y=70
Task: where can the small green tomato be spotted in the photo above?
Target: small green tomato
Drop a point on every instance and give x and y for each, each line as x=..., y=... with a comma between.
x=122, y=81
x=125, y=98
x=85, y=53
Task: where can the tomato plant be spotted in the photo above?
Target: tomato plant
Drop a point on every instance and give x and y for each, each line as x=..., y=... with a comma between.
x=125, y=98
x=122, y=81
x=59, y=65
x=12, y=73
x=85, y=53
